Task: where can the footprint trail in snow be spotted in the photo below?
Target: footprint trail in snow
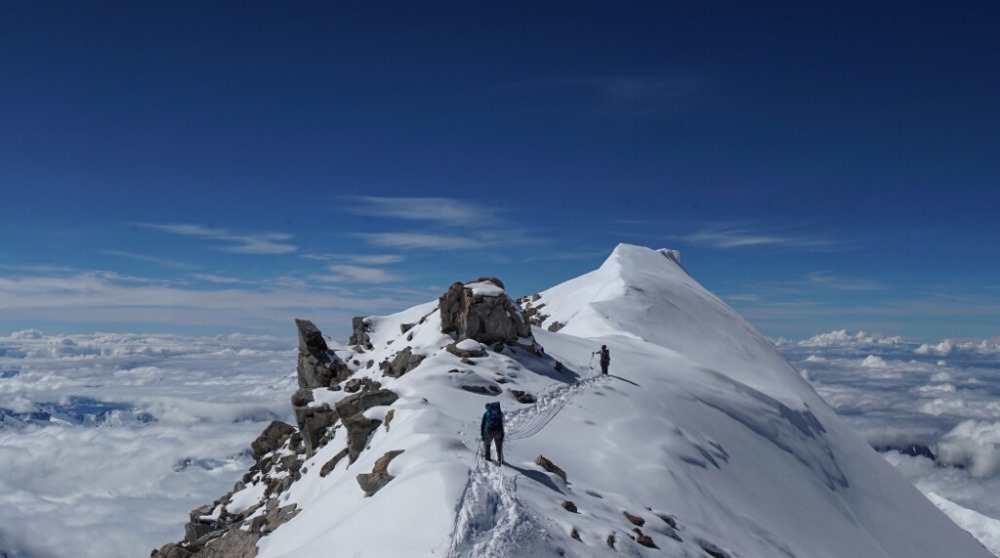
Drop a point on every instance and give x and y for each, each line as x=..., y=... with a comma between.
x=490, y=521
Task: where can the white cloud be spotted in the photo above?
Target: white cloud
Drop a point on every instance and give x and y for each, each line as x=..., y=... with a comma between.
x=424, y=241
x=445, y=211
x=358, y=274
x=973, y=444
x=162, y=262
x=740, y=236
x=942, y=348
x=260, y=243
x=371, y=259
x=826, y=279
x=99, y=297
x=126, y=487
x=220, y=279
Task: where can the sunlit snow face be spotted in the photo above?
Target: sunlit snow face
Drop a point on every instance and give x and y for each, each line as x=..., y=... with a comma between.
x=943, y=397
x=107, y=441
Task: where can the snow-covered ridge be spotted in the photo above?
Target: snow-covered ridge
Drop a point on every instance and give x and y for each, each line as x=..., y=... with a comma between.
x=702, y=440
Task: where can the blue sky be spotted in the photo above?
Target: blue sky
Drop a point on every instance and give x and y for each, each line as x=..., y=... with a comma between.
x=209, y=167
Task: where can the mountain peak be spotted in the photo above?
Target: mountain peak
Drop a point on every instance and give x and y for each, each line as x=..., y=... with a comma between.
x=701, y=439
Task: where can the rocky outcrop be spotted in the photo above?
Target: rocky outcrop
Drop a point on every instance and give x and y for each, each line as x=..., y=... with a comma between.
x=313, y=421
x=403, y=362
x=318, y=366
x=215, y=532
x=359, y=337
x=379, y=477
x=280, y=452
x=481, y=310
x=272, y=438
x=351, y=411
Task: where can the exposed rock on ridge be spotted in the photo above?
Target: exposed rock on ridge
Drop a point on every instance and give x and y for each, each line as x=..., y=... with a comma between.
x=477, y=311
x=215, y=531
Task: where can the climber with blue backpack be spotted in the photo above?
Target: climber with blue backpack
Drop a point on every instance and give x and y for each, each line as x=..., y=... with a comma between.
x=492, y=430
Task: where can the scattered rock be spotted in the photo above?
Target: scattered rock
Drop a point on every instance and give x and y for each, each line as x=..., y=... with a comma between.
x=555, y=326
x=712, y=550
x=485, y=390
x=359, y=428
x=544, y=463
x=522, y=396
x=374, y=396
x=234, y=543
x=169, y=550
x=359, y=337
x=332, y=463
x=644, y=539
x=466, y=349
x=611, y=541
x=404, y=361
x=559, y=366
x=379, y=477
x=634, y=519
x=352, y=385
x=272, y=438
x=569, y=506
x=313, y=423
x=403, y=328
x=666, y=518
x=271, y=520
x=388, y=418
x=574, y=534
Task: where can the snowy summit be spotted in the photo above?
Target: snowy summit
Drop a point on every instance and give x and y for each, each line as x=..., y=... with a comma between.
x=701, y=441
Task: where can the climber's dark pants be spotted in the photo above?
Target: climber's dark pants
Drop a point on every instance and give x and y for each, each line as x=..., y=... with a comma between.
x=493, y=437
x=604, y=366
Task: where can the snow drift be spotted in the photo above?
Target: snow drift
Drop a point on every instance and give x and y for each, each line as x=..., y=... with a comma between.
x=703, y=440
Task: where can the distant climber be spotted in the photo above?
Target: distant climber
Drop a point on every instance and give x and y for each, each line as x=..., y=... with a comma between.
x=492, y=430
x=605, y=358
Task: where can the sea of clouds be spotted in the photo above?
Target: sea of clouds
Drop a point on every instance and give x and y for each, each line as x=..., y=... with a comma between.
x=107, y=441
x=932, y=409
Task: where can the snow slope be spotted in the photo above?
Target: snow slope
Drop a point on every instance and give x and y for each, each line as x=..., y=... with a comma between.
x=701, y=431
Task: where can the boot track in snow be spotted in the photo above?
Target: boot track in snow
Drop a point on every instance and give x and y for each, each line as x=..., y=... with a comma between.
x=490, y=521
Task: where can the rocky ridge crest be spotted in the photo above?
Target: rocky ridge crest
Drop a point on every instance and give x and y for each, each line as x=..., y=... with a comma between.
x=334, y=396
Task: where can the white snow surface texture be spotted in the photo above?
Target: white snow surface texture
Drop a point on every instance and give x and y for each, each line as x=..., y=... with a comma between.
x=700, y=421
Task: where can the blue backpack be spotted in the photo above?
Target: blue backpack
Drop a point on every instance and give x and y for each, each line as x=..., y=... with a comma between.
x=493, y=419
